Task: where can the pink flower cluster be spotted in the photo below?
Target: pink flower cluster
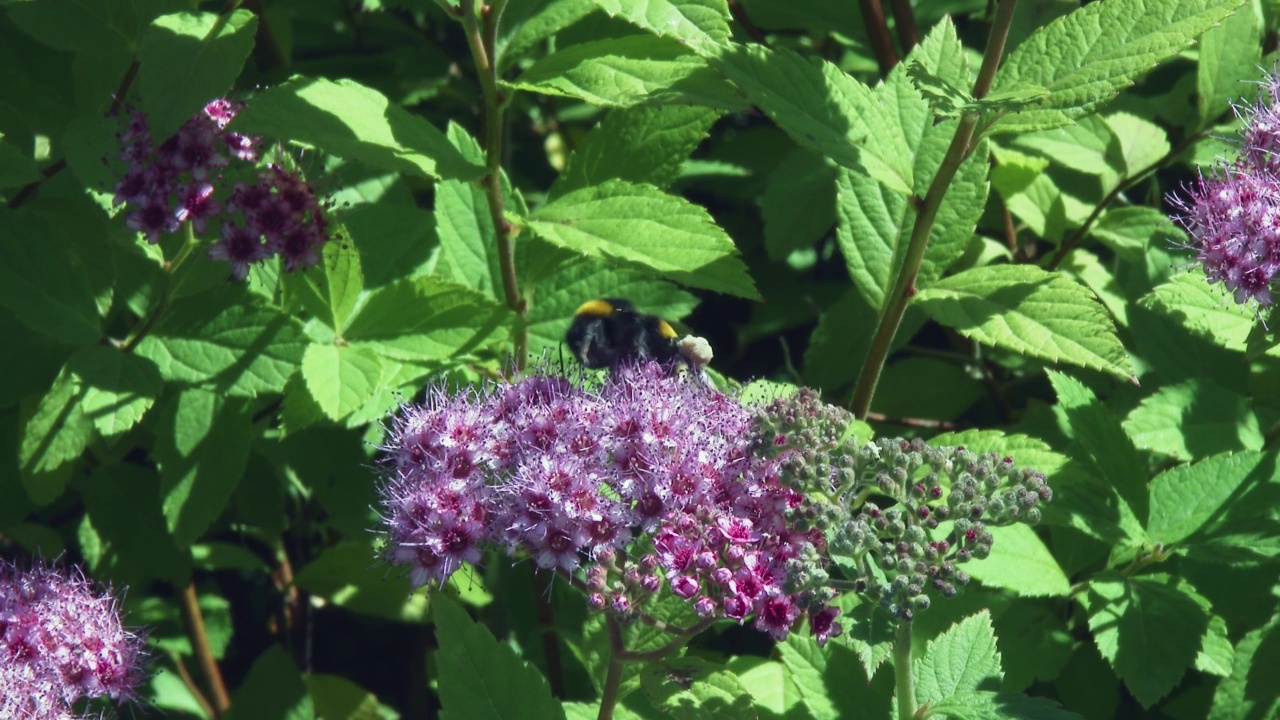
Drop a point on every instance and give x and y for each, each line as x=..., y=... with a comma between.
x=60, y=640
x=275, y=213
x=1233, y=214
x=643, y=481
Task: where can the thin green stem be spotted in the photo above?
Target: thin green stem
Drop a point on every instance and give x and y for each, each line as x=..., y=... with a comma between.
x=482, y=36
x=905, y=683
x=166, y=291
x=926, y=213
x=673, y=645
x=1122, y=187
x=613, y=676
x=619, y=656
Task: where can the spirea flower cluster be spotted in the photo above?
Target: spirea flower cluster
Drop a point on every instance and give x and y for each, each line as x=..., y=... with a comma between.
x=60, y=640
x=1233, y=213
x=901, y=515
x=640, y=483
x=191, y=178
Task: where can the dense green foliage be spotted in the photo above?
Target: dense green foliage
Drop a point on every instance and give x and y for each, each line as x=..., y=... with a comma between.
x=952, y=223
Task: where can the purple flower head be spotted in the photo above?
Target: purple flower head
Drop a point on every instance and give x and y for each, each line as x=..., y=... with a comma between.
x=640, y=482
x=191, y=178
x=60, y=640
x=1233, y=212
x=239, y=246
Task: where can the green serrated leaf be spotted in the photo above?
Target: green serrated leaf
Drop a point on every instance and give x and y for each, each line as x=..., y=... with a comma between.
x=202, y=446
x=701, y=24
x=1105, y=447
x=123, y=502
x=1187, y=497
x=1000, y=706
x=478, y=676
x=242, y=350
x=1216, y=654
x=1089, y=270
x=1229, y=55
x=1020, y=563
x=695, y=689
x=1142, y=143
x=341, y=378
x=273, y=689
x=467, y=237
x=1147, y=628
x=119, y=387
x=44, y=280
x=1204, y=309
x=628, y=71
x=1036, y=198
x=827, y=681
x=1194, y=419
x=424, y=319
x=946, y=99
x=1035, y=643
x=641, y=226
x=962, y=659
x=1250, y=693
x=799, y=203
x=331, y=290
x=1028, y=311
x=870, y=633
x=56, y=432
x=823, y=109
x=188, y=59
x=1130, y=230
x=1085, y=57
x=337, y=698
x=839, y=342
x=394, y=241
x=640, y=145
x=355, y=122
x=517, y=36
x=99, y=26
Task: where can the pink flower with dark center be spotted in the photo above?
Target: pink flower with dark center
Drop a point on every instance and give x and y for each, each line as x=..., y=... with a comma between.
x=823, y=625
x=776, y=615
x=197, y=205
x=152, y=219
x=196, y=161
x=240, y=247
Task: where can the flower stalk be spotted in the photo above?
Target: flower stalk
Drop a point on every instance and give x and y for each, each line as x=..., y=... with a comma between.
x=904, y=681
x=904, y=286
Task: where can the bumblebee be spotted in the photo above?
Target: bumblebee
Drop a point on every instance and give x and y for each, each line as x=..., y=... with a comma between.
x=609, y=331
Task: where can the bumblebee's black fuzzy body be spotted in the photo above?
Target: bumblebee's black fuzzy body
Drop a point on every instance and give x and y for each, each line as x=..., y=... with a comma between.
x=610, y=331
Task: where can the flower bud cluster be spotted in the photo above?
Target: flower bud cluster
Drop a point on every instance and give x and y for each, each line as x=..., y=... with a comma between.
x=643, y=482
x=188, y=179
x=900, y=515
x=60, y=640
x=1233, y=214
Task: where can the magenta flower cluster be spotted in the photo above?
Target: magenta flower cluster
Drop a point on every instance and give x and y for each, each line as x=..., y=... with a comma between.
x=188, y=179
x=1233, y=214
x=643, y=482
x=60, y=640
